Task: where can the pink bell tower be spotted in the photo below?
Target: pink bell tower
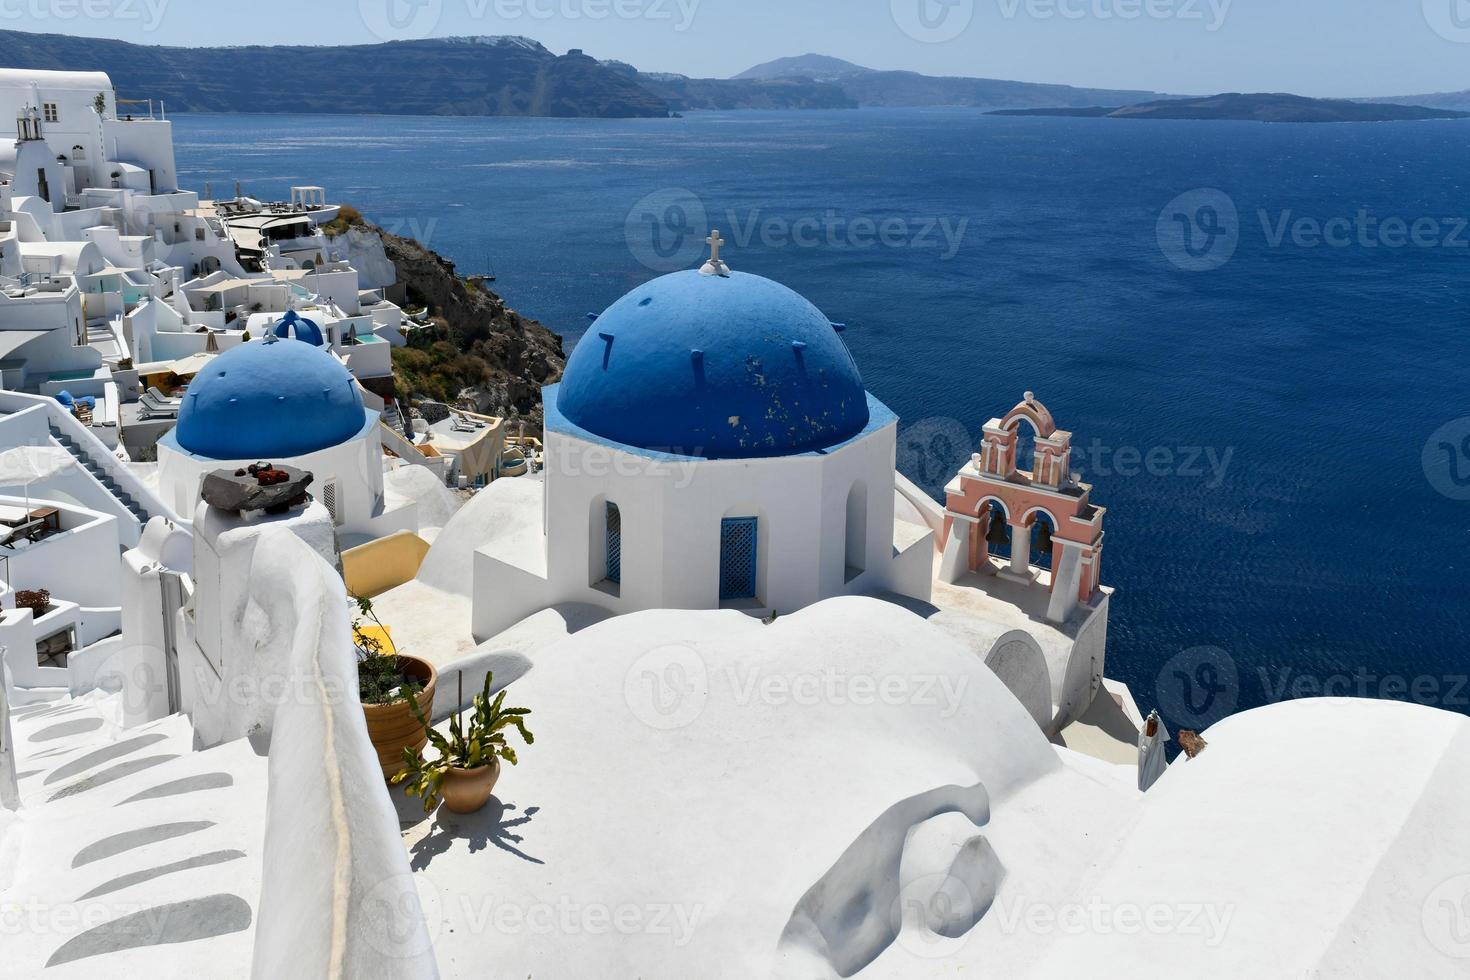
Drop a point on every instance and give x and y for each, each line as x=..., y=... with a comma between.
x=994, y=483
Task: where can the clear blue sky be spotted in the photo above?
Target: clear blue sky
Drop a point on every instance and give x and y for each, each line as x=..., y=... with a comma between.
x=1313, y=47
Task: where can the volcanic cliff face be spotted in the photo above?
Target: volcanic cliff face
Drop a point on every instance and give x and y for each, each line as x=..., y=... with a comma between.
x=478, y=349
x=475, y=76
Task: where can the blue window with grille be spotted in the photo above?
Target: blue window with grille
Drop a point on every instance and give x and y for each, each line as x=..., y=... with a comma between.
x=737, y=558
x=614, y=544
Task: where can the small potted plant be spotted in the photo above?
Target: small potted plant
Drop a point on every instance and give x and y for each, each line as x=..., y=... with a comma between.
x=38, y=601
x=394, y=690
x=468, y=766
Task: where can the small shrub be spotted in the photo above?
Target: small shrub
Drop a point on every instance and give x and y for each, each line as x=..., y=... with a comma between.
x=38, y=600
x=380, y=677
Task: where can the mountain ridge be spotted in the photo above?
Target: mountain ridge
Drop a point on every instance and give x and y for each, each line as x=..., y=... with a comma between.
x=512, y=75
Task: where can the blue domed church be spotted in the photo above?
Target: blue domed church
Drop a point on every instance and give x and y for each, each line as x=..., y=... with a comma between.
x=284, y=400
x=710, y=445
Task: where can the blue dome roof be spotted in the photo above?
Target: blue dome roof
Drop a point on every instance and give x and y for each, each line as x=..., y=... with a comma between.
x=730, y=366
x=269, y=401
x=293, y=325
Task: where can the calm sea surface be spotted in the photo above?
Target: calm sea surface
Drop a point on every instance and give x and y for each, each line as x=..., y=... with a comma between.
x=1287, y=516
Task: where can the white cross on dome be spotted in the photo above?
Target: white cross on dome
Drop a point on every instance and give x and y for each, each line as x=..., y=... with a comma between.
x=715, y=266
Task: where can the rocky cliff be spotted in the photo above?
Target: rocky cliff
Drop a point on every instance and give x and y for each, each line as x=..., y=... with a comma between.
x=478, y=350
x=482, y=76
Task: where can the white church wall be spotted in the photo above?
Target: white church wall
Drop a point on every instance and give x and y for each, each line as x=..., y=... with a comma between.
x=671, y=513
x=354, y=469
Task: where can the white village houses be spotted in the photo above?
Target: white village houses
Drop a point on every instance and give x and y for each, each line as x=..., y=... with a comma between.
x=793, y=717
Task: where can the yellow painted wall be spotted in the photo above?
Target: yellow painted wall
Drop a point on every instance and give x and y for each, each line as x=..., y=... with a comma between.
x=374, y=568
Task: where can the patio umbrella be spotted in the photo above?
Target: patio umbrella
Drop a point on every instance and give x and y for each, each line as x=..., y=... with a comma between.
x=27, y=464
x=187, y=367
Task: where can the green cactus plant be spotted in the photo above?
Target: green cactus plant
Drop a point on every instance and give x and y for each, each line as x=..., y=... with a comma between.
x=475, y=746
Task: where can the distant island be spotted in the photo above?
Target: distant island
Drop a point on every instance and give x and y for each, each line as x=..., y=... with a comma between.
x=517, y=76
x=1261, y=107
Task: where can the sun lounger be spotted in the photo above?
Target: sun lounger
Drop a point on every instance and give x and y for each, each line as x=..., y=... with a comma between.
x=162, y=405
x=148, y=412
x=29, y=531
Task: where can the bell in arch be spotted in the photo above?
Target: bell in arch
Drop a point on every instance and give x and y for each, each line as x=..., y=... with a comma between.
x=1043, y=537
x=997, y=535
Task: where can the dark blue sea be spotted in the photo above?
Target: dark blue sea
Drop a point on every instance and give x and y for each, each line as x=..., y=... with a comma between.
x=1258, y=334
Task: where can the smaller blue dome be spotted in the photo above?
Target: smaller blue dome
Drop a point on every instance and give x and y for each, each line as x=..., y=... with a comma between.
x=292, y=326
x=270, y=400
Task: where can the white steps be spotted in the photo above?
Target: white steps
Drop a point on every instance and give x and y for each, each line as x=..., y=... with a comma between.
x=132, y=854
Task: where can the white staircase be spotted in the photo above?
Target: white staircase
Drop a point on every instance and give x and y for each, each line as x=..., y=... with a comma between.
x=134, y=853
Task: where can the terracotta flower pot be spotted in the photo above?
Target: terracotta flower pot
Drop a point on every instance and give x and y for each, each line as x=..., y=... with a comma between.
x=392, y=727
x=466, y=790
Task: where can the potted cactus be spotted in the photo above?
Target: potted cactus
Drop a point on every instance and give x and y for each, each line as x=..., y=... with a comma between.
x=393, y=689
x=468, y=766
